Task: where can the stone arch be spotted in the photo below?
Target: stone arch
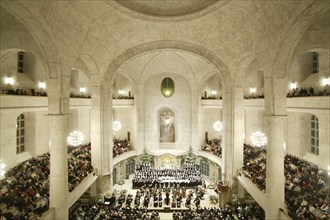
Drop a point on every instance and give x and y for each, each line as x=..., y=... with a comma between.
x=294, y=30
x=152, y=46
x=57, y=91
x=92, y=67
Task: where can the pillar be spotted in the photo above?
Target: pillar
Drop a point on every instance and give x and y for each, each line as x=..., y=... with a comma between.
x=58, y=165
x=233, y=138
x=101, y=150
x=275, y=167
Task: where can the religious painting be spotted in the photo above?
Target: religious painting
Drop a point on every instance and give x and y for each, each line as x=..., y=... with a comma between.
x=167, y=126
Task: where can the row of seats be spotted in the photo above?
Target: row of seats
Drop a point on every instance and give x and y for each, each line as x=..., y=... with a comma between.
x=213, y=146
x=120, y=146
x=307, y=190
x=24, y=192
x=89, y=210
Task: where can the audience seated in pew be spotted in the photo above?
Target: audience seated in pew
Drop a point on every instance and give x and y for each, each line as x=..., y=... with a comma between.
x=24, y=192
x=120, y=146
x=213, y=146
x=307, y=190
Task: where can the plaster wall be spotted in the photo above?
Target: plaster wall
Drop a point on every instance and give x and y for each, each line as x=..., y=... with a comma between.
x=179, y=103
x=297, y=135
x=41, y=133
x=208, y=117
x=126, y=117
x=253, y=122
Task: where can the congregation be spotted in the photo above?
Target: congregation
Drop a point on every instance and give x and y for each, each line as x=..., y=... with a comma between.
x=24, y=192
x=307, y=190
x=145, y=175
x=79, y=164
x=120, y=146
x=213, y=146
x=121, y=210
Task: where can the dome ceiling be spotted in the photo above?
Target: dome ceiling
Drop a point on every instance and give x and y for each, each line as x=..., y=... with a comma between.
x=167, y=8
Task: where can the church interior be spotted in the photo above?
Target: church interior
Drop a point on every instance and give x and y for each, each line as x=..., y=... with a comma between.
x=167, y=109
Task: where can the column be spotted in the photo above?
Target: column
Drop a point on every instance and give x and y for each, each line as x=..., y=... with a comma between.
x=100, y=141
x=58, y=165
x=233, y=138
x=275, y=166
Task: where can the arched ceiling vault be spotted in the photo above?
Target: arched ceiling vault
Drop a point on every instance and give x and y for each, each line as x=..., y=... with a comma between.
x=105, y=32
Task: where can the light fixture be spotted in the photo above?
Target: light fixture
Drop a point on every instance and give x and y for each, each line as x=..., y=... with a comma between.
x=253, y=90
x=2, y=171
x=326, y=81
x=218, y=126
x=42, y=85
x=75, y=138
x=9, y=80
x=213, y=92
x=293, y=85
x=121, y=92
x=167, y=87
x=82, y=89
x=258, y=139
x=116, y=125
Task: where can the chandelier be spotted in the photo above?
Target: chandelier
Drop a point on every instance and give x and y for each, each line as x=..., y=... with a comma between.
x=116, y=125
x=2, y=171
x=75, y=138
x=218, y=126
x=258, y=139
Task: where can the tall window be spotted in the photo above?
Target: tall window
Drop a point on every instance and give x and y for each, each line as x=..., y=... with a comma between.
x=130, y=167
x=315, y=62
x=20, y=134
x=20, y=62
x=315, y=135
x=204, y=167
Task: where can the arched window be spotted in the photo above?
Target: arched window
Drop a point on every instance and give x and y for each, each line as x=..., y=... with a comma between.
x=20, y=134
x=130, y=167
x=204, y=167
x=315, y=135
x=114, y=176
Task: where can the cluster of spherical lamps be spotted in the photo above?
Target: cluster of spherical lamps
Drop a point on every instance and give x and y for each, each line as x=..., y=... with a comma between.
x=258, y=139
x=75, y=138
x=218, y=126
x=116, y=125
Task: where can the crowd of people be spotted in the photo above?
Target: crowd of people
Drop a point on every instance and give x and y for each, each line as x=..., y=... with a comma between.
x=81, y=96
x=79, y=164
x=297, y=92
x=301, y=92
x=84, y=210
x=123, y=97
x=254, y=96
x=307, y=190
x=124, y=208
x=145, y=175
x=28, y=92
x=120, y=146
x=24, y=192
x=213, y=146
x=245, y=211
x=36, y=92
x=254, y=165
